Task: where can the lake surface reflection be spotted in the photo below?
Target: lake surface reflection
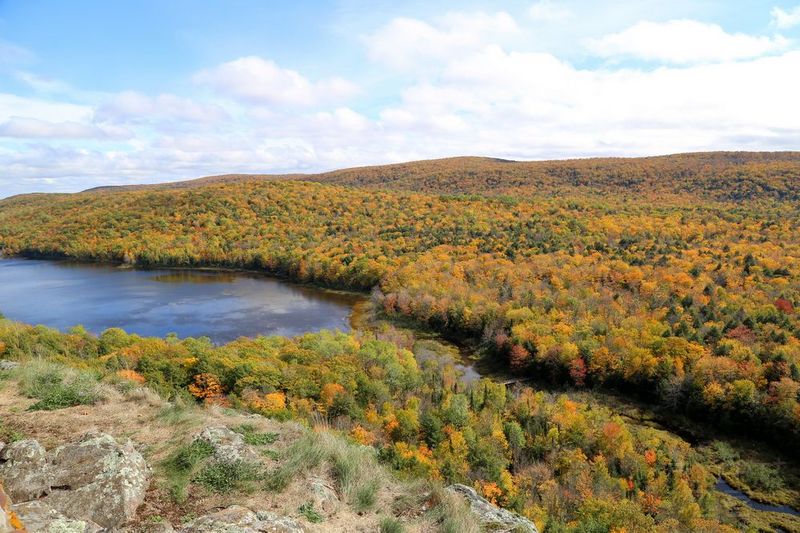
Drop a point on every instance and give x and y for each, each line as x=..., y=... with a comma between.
x=219, y=305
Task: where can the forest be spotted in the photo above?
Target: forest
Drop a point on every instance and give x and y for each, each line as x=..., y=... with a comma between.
x=568, y=465
x=674, y=279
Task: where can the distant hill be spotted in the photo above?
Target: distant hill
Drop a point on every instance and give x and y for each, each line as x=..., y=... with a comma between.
x=727, y=176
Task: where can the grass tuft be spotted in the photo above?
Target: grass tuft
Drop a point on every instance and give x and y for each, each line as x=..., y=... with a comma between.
x=391, y=524
x=306, y=453
x=254, y=437
x=180, y=467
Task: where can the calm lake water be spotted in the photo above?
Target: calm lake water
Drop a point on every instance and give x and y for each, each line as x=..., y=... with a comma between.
x=219, y=305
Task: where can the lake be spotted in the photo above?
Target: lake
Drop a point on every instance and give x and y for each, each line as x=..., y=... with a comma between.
x=190, y=303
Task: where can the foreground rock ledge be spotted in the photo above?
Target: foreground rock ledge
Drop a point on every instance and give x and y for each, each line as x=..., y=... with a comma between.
x=87, y=485
x=238, y=519
x=490, y=516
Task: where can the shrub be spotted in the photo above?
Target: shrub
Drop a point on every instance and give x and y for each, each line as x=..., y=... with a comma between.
x=9, y=435
x=230, y=476
x=255, y=438
x=307, y=510
x=760, y=476
x=57, y=387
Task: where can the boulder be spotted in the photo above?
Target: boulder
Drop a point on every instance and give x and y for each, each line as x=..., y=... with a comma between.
x=24, y=470
x=238, y=519
x=493, y=518
x=39, y=516
x=229, y=446
x=98, y=479
x=325, y=497
x=90, y=484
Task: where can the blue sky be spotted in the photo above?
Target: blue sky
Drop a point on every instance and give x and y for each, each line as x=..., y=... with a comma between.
x=98, y=92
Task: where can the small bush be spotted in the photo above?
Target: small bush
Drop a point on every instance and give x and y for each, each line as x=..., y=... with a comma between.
x=9, y=435
x=391, y=524
x=230, y=476
x=307, y=510
x=255, y=438
x=724, y=452
x=761, y=477
x=270, y=454
x=57, y=387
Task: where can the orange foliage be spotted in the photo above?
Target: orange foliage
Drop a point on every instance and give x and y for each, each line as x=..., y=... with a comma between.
x=207, y=387
x=362, y=436
x=131, y=375
x=329, y=393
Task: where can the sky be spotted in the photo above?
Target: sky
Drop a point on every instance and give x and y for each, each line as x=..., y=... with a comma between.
x=94, y=92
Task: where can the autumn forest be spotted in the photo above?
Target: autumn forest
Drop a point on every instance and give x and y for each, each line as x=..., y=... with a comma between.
x=671, y=282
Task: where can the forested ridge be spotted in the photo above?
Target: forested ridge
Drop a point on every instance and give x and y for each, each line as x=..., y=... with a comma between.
x=674, y=278
x=711, y=176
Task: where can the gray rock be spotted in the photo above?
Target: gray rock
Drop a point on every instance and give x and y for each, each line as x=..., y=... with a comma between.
x=40, y=517
x=149, y=527
x=24, y=470
x=96, y=482
x=229, y=446
x=98, y=479
x=5, y=364
x=490, y=516
x=237, y=519
x=325, y=497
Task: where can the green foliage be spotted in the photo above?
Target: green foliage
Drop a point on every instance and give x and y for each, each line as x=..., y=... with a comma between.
x=8, y=434
x=255, y=438
x=760, y=476
x=180, y=467
x=57, y=387
x=233, y=476
x=308, y=511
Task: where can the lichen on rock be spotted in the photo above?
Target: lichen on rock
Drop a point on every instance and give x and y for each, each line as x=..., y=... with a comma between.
x=490, y=516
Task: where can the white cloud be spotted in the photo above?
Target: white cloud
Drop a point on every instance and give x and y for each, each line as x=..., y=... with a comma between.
x=258, y=80
x=786, y=19
x=548, y=10
x=405, y=42
x=134, y=107
x=31, y=128
x=684, y=42
x=42, y=84
x=478, y=93
x=46, y=110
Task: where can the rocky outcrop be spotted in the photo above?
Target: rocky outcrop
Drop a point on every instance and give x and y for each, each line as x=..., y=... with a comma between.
x=5, y=364
x=39, y=516
x=229, y=446
x=324, y=496
x=24, y=470
x=493, y=518
x=237, y=519
x=84, y=486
